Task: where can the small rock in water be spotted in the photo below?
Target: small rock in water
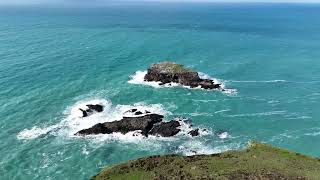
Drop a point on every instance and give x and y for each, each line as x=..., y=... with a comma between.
x=133, y=110
x=194, y=132
x=138, y=113
x=84, y=113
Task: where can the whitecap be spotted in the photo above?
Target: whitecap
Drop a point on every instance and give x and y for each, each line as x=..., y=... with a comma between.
x=34, y=132
x=224, y=135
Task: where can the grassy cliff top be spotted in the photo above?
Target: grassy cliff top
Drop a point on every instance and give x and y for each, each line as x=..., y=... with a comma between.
x=258, y=161
x=170, y=67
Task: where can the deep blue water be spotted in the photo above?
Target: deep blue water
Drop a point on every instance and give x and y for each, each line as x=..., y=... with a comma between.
x=52, y=60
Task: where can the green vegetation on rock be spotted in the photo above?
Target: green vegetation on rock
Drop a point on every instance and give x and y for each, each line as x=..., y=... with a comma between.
x=258, y=161
x=171, y=67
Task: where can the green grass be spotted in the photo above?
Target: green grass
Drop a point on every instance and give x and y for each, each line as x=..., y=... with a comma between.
x=258, y=161
x=171, y=67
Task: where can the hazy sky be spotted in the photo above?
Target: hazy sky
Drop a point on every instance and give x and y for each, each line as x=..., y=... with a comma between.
x=25, y=2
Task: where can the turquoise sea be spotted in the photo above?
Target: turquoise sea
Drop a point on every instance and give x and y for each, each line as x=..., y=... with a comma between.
x=53, y=59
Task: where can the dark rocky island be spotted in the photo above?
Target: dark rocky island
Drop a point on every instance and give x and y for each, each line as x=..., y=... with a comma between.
x=170, y=72
x=147, y=123
x=257, y=162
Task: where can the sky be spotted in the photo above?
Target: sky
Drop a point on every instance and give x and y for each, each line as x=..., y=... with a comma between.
x=26, y=2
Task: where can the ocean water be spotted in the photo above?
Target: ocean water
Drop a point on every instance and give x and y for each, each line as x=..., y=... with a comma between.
x=54, y=60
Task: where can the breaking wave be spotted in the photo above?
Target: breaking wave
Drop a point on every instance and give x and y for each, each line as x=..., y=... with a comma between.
x=73, y=121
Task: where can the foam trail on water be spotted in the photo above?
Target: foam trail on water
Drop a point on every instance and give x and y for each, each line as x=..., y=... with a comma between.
x=34, y=132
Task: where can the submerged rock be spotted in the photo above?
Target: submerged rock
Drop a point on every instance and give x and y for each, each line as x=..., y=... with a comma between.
x=170, y=72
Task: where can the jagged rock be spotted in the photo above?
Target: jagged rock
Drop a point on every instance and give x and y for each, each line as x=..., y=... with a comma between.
x=125, y=125
x=168, y=72
x=91, y=108
x=95, y=107
x=147, y=124
x=138, y=113
x=166, y=129
x=194, y=132
x=84, y=112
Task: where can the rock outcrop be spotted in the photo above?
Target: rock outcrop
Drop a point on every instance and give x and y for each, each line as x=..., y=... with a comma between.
x=125, y=125
x=146, y=124
x=170, y=72
x=91, y=108
x=95, y=107
x=166, y=129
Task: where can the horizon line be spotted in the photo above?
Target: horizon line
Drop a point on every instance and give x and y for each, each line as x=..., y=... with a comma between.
x=132, y=2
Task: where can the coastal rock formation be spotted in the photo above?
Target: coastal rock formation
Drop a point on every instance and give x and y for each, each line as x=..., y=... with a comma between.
x=170, y=72
x=166, y=129
x=95, y=107
x=125, y=125
x=91, y=108
x=146, y=124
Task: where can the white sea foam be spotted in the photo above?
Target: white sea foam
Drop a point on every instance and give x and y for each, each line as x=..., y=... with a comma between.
x=34, y=132
x=185, y=128
x=224, y=135
x=73, y=122
x=138, y=78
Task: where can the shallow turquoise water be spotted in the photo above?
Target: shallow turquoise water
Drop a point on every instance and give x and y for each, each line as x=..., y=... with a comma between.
x=52, y=59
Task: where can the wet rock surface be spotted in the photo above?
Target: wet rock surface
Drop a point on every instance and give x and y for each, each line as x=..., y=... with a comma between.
x=146, y=123
x=125, y=125
x=194, y=132
x=91, y=108
x=166, y=129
